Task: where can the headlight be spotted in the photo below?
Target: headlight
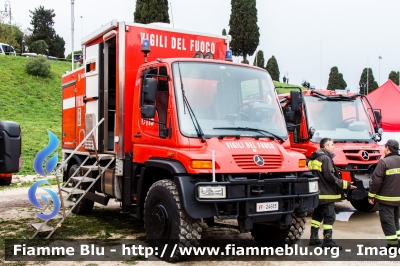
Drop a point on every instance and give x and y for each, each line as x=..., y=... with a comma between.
x=313, y=186
x=212, y=192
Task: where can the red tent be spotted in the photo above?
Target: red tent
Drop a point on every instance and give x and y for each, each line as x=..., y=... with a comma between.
x=387, y=98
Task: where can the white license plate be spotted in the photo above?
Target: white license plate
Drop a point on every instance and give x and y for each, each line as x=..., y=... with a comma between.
x=267, y=206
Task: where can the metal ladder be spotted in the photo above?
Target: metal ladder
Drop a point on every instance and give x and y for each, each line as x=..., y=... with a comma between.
x=72, y=187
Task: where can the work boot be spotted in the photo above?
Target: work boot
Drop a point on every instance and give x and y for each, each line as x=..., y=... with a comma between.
x=328, y=242
x=314, y=239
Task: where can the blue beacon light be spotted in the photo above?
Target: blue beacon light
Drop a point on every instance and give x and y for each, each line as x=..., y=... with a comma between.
x=228, y=55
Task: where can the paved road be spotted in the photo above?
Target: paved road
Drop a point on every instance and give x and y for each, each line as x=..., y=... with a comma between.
x=350, y=224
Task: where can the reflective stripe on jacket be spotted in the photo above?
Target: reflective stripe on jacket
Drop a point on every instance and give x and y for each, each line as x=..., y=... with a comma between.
x=385, y=184
x=330, y=185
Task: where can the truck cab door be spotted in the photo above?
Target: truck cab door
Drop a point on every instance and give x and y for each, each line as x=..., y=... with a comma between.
x=157, y=127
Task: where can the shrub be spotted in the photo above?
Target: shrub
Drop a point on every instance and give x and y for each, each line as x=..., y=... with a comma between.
x=38, y=66
x=39, y=47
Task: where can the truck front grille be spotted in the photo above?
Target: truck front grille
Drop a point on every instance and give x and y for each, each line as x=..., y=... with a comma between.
x=247, y=161
x=359, y=155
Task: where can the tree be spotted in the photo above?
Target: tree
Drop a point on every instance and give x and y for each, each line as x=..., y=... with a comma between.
x=224, y=32
x=243, y=28
x=259, y=59
x=43, y=23
x=273, y=68
x=39, y=47
x=394, y=76
x=372, y=84
x=57, y=47
x=148, y=11
x=16, y=33
x=336, y=81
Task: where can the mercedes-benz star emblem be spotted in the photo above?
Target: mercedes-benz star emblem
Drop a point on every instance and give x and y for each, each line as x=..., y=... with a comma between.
x=365, y=155
x=259, y=160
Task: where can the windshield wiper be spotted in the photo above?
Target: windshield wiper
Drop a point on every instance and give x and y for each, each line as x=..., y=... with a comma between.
x=196, y=124
x=251, y=129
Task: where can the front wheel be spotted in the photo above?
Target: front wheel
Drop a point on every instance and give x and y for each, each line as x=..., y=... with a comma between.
x=364, y=206
x=166, y=223
x=272, y=235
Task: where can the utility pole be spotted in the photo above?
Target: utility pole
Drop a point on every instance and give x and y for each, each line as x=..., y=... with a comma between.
x=72, y=32
x=367, y=77
x=380, y=57
x=8, y=4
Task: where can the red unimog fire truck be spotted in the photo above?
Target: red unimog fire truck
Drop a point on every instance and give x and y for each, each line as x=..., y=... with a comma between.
x=351, y=121
x=186, y=138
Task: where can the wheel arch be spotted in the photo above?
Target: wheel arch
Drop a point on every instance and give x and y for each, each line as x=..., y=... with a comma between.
x=151, y=171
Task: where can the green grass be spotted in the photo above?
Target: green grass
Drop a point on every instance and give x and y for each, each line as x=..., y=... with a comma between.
x=100, y=224
x=33, y=102
x=286, y=88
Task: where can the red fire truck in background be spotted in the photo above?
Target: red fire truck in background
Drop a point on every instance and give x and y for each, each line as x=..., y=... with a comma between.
x=351, y=121
x=188, y=138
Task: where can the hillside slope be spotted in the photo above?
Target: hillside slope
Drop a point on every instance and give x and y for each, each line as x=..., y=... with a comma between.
x=33, y=102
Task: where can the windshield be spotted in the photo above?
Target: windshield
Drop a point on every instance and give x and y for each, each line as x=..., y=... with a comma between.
x=229, y=97
x=340, y=120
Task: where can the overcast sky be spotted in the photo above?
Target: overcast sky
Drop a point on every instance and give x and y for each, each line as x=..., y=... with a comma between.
x=307, y=37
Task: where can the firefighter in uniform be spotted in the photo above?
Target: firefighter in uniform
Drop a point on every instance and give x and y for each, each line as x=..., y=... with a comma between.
x=331, y=189
x=385, y=188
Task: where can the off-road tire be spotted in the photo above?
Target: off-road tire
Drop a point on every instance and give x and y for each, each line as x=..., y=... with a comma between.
x=273, y=236
x=166, y=222
x=5, y=181
x=364, y=206
x=85, y=206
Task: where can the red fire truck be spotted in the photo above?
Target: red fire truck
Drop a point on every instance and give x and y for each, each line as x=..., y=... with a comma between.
x=10, y=151
x=188, y=138
x=351, y=121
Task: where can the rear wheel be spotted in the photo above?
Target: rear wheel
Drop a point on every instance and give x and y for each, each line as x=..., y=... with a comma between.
x=364, y=206
x=85, y=206
x=166, y=223
x=5, y=181
x=272, y=235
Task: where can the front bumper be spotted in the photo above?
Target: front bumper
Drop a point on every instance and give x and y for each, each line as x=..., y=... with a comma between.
x=242, y=195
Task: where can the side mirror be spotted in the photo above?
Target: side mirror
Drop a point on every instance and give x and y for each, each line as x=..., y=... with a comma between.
x=148, y=111
x=149, y=90
x=378, y=116
x=290, y=127
x=296, y=100
x=289, y=115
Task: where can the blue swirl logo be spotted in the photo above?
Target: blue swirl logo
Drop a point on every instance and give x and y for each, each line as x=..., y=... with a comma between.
x=50, y=165
x=41, y=156
x=36, y=203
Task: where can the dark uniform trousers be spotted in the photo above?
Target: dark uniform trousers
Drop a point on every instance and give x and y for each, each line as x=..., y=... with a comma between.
x=389, y=216
x=324, y=212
